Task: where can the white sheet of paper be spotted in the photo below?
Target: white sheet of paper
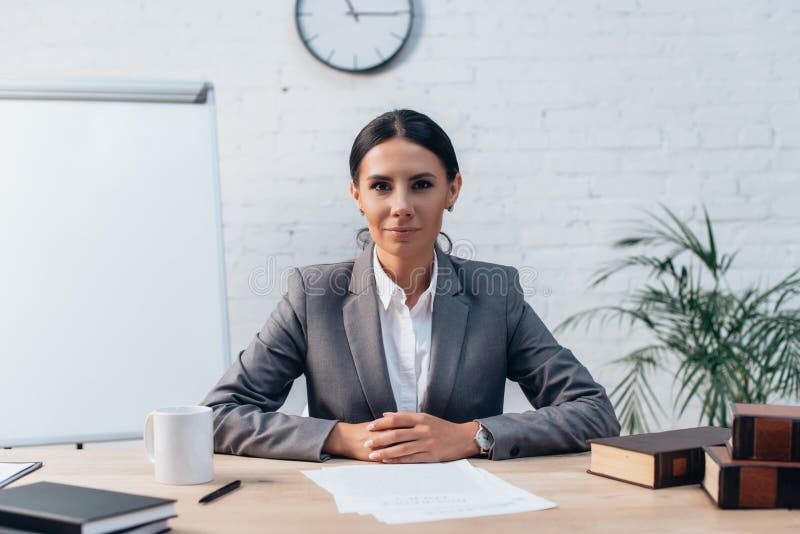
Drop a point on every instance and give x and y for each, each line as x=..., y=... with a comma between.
x=11, y=469
x=375, y=487
x=423, y=492
x=503, y=498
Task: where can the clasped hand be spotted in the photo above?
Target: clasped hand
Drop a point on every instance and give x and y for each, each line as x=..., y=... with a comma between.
x=404, y=437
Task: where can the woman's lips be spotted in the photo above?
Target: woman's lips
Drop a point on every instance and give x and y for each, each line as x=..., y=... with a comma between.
x=403, y=233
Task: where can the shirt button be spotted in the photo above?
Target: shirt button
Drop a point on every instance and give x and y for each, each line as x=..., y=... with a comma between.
x=514, y=451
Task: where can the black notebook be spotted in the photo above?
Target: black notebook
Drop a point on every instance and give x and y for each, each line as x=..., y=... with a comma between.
x=60, y=508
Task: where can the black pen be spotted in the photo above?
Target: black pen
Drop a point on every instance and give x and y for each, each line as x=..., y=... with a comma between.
x=216, y=494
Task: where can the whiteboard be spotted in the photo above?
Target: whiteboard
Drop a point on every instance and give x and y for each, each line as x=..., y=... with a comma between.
x=112, y=282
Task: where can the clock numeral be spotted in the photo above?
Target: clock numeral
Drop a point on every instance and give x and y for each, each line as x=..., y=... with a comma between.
x=304, y=13
x=380, y=56
x=400, y=37
x=330, y=55
x=312, y=38
x=355, y=61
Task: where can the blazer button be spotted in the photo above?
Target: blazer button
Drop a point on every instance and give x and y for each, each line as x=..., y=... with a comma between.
x=514, y=451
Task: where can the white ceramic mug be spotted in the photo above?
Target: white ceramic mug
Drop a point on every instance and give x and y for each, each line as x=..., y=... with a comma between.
x=179, y=440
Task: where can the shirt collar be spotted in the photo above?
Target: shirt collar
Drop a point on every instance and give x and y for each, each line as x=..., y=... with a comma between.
x=387, y=289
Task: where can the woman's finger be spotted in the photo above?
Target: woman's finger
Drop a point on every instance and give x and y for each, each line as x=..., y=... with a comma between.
x=393, y=420
x=395, y=451
x=416, y=458
x=387, y=438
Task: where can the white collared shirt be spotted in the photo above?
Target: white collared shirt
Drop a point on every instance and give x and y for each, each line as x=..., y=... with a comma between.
x=406, y=337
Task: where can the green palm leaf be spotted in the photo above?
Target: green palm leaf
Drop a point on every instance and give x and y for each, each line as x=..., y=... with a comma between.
x=722, y=345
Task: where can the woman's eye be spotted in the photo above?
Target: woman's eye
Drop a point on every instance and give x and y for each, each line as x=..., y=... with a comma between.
x=383, y=186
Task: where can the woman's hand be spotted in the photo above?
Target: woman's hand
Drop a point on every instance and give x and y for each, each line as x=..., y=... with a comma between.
x=348, y=440
x=407, y=437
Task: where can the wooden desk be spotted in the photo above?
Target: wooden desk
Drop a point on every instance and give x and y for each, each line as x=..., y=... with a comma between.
x=275, y=497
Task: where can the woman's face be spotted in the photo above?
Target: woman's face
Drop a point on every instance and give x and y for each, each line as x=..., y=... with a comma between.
x=403, y=185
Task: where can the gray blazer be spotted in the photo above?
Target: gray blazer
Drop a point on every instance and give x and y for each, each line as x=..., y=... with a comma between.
x=327, y=327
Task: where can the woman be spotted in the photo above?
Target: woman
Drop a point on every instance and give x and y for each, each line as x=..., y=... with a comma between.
x=406, y=349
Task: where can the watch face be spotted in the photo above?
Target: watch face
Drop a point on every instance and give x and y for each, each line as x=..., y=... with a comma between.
x=484, y=439
x=354, y=35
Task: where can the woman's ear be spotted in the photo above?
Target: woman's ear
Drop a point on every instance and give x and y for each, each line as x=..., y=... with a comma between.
x=453, y=189
x=354, y=192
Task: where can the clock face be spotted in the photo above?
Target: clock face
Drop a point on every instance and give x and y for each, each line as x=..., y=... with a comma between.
x=354, y=35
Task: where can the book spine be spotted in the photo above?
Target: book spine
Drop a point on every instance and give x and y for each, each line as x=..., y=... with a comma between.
x=766, y=438
x=679, y=468
x=759, y=487
x=37, y=524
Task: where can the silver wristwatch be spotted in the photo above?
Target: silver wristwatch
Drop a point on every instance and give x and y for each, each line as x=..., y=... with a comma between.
x=484, y=439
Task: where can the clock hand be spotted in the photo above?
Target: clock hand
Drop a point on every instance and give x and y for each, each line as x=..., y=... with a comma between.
x=376, y=13
x=352, y=10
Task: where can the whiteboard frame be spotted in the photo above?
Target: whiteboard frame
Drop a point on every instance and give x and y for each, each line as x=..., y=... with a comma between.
x=193, y=93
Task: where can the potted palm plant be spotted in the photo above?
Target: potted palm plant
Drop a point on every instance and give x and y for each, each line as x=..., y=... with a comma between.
x=720, y=345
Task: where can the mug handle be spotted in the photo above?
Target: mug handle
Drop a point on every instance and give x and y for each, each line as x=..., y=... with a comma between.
x=148, y=437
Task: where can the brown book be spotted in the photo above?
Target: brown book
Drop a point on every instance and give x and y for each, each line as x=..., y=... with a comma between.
x=766, y=432
x=656, y=460
x=750, y=483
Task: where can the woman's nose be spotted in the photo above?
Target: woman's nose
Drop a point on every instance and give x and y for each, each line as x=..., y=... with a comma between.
x=401, y=205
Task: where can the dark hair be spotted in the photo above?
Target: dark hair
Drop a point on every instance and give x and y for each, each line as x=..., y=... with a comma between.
x=410, y=125
x=414, y=126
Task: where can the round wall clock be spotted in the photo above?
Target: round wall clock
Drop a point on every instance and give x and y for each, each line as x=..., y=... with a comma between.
x=354, y=35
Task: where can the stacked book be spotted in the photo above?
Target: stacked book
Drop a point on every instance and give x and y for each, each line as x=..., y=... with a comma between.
x=759, y=467
x=656, y=460
x=61, y=508
x=754, y=465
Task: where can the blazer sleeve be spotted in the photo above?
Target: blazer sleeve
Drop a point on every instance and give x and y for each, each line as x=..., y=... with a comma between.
x=570, y=406
x=246, y=399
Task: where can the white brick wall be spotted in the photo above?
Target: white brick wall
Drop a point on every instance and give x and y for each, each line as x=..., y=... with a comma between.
x=567, y=115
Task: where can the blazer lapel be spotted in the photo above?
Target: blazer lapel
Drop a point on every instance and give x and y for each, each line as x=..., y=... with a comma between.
x=362, y=324
x=448, y=329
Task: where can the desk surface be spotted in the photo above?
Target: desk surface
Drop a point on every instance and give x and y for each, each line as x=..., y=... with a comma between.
x=276, y=497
